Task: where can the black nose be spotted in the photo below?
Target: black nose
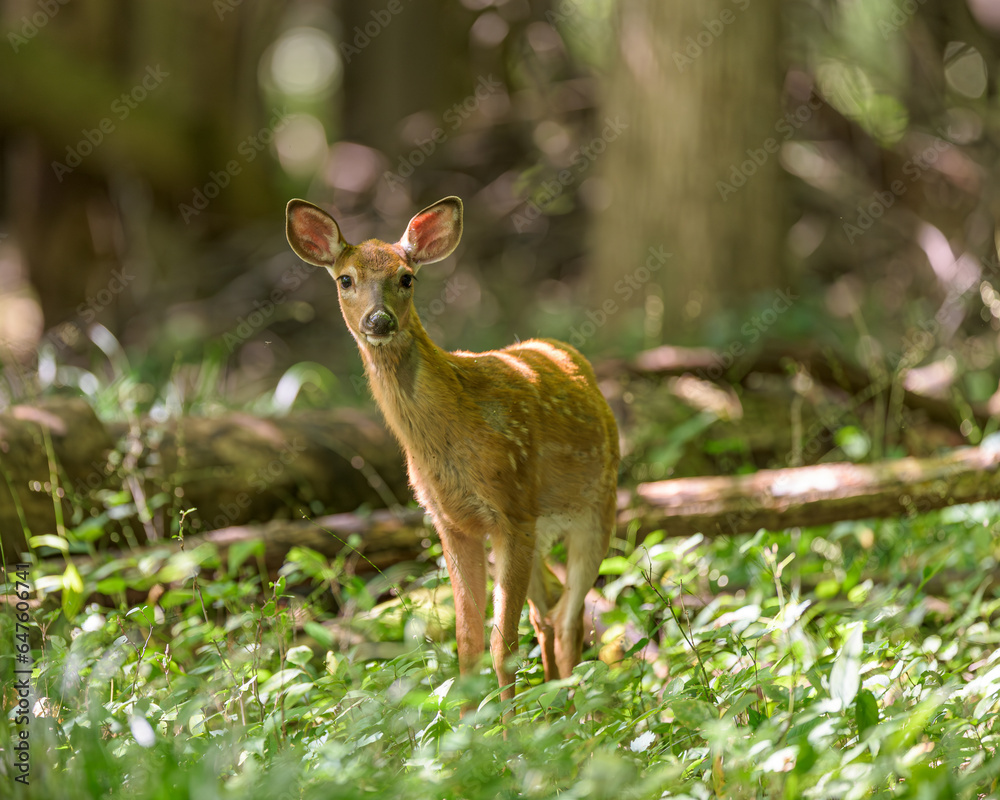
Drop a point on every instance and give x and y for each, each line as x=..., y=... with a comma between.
x=379, y=323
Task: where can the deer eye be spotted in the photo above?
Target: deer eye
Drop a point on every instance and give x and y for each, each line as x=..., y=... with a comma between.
x=406, y=281
x=345, y=281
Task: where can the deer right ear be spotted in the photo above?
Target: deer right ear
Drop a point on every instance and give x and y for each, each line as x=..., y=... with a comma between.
x=434, y=233
x=313, y=234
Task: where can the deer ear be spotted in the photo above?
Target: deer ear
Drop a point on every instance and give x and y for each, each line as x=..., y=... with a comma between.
x=434, y=233
x=313, y=234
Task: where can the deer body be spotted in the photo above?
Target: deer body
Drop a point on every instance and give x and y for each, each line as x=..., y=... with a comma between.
x=516, y=445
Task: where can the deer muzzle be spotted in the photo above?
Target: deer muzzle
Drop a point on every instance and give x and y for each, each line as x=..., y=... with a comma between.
x=378, y=326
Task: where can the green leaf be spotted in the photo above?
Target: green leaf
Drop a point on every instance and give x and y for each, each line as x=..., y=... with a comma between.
x=915, y=720
x=111, y=585
x=694, y=714
x=320, y=633
x=845, y=676
x=49, y=540
x=806, y=758
x=299, y=656
x=865, y=712
x=636, y=647
x=90, y=530
x=615, y=565
x=72, y=594
x=241, y=551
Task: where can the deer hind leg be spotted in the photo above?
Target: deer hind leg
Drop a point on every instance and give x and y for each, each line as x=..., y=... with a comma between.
x=586, y=547
x=465, y=557
x=544, y=591
x=513, y=555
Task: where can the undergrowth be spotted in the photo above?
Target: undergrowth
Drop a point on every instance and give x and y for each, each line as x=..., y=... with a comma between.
x=800, y=664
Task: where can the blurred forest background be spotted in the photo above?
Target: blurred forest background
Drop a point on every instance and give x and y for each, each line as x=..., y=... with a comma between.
x=795, y=188
x=771, y=225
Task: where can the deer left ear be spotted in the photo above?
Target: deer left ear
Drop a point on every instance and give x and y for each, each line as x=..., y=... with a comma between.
x=313, y=234
x=434, y=233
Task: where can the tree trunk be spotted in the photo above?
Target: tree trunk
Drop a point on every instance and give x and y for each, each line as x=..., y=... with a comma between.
x=695, y=174
x=395, y=70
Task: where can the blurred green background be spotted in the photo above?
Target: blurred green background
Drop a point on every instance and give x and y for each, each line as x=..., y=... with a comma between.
x=735, y=174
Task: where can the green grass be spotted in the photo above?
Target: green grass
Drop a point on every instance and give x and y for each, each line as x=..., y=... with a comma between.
x=800, y=664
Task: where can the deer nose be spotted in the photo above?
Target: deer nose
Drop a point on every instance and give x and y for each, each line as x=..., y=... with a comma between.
x=379, y=323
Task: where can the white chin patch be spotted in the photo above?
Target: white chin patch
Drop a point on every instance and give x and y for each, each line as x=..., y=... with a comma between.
x=378, y=340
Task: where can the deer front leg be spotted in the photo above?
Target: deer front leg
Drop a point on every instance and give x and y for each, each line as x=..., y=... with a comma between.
x=465, y=557
x=514, y=555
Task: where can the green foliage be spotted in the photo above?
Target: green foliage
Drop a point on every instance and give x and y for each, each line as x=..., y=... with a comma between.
x=884, y=682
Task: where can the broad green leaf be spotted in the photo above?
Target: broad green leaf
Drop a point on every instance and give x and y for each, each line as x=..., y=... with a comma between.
x=49, y=540
x=90, y=530
x=845, y=676
x=695, y=714
x=806, y=758
x=280, y=679
x=299, y=656
x=615, y=565
x=865, y=712
x=241, y=551
x=320, y=633
x=72, y=594
x=112, y=585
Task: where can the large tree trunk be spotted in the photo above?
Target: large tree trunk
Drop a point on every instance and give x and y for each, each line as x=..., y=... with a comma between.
x=395, y=69
x=695, y=174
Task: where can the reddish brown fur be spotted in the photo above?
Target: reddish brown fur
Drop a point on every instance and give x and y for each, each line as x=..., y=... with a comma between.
x=517, y=445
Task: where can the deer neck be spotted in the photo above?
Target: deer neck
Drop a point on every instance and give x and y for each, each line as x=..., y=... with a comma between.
x=412, y=380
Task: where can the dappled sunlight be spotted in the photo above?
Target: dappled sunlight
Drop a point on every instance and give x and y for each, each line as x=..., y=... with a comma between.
x=704, y=362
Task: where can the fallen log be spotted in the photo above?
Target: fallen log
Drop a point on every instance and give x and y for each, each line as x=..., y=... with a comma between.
x=777, y=499
x=56, y=438
x=774, y=499
x=384, y=538
x=231, y=469
x=709, y=364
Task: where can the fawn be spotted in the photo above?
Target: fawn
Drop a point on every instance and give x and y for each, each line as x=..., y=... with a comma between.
x=515, y=444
